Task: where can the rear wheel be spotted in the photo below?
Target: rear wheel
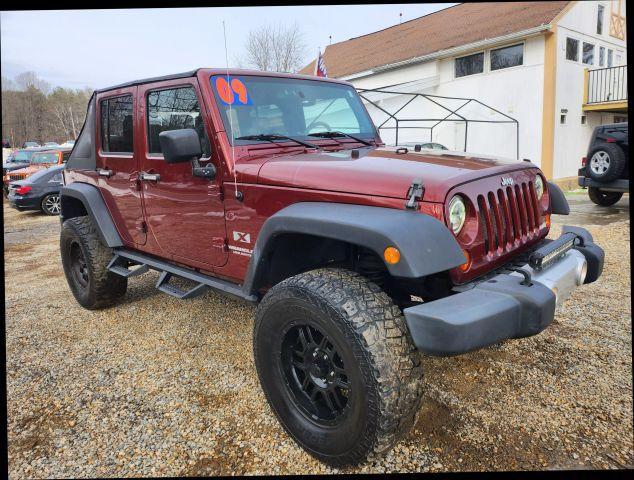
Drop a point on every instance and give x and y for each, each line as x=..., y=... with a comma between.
x=603, y=198
x=51, y=204
x=336, y=364
x=85, y=260
x=606, y=162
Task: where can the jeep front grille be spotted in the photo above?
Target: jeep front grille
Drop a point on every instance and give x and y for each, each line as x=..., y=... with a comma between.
x=510, y=216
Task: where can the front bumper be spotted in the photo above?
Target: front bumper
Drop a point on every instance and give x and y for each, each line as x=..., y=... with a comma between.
x=505, y=305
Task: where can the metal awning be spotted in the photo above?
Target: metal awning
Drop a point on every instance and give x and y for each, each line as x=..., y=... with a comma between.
x=454, y=113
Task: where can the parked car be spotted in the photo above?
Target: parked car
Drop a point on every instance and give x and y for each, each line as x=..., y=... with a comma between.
x=359, y=257
x=417, y=146
x=68, y=144
x=38, y=192
x=39, y=160
x=605, y=171
x=31, y=145
x=51, y=144
x=16, y=161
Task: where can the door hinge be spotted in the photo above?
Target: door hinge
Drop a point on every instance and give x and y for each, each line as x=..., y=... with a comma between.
x=415, y=193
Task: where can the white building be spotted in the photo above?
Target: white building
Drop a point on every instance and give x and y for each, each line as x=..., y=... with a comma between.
x=558, y=68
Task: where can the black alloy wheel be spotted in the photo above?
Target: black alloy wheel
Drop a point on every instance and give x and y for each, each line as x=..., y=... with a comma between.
x=315, y=374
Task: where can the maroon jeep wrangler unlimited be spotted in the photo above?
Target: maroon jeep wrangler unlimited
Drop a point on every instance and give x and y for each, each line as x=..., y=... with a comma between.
x=278, y=190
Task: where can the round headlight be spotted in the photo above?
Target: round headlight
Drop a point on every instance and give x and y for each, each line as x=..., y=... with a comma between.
x=539, y=186
x=457, y=214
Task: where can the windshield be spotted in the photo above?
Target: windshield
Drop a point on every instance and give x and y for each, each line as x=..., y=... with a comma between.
x=23, y=156
x=288, y=106
x=45, y=158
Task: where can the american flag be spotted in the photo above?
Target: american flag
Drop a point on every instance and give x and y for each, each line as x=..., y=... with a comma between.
x=320, y=66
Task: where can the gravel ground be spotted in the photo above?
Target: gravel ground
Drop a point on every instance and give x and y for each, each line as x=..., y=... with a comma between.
x=158, y=386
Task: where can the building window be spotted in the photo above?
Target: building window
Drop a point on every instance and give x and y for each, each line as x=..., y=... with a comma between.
x=572, y=49
x=584, y=119
x=562, y=118
x=601, y=56
x=469, y=65
x=507, y=57
x=600, y=9
x=116, y=124
x=174, y=109
x=588, y=53
x=609, y=57
x=619, y=119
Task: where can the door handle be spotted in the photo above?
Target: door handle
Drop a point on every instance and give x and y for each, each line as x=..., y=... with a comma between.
x=103, y=172
x=149, y=177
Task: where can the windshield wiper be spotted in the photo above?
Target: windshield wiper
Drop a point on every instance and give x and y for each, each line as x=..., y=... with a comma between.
x=337, y=133
x=273, y=137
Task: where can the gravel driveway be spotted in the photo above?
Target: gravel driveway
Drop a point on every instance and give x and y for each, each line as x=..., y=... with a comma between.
x=158, y=386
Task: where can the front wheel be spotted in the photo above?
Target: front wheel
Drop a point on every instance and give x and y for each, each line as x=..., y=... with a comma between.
x=336, y=364
x=603, y=198
x=85, y=260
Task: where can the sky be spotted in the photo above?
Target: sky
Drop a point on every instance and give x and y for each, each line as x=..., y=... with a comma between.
x=99, y=48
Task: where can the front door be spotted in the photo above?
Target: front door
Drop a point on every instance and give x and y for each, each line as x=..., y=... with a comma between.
x=184, y=214
x=118, y=162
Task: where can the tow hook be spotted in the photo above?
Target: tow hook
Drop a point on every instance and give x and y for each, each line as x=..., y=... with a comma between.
x=415, y=193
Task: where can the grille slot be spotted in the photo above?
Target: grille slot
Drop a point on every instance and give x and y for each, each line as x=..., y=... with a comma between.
x=508, y=217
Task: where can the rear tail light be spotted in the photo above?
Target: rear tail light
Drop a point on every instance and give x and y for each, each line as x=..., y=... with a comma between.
x=583, y=161
x=23, y=190
x=610, y=140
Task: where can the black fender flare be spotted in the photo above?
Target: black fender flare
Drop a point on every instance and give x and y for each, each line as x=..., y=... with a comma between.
x=95, y=206
x=426, y=244
x=558, y=203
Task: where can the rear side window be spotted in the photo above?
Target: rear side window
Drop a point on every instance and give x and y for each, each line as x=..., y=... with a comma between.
x=116, y=124
x=174, y=109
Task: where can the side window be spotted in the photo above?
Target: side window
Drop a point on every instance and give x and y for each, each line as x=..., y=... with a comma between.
x=469, y=65
x=57, y=178
x=65, y=156
x=588, y=54
x=116, y=124
x=174, y=109
x=572, y=49
x=507, y=57
x=600, y=9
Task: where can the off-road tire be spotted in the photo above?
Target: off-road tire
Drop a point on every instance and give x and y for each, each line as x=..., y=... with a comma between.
x=49, y=208
x=603, y=198
x=385, y=368
x=103, y=288
x=615, y=158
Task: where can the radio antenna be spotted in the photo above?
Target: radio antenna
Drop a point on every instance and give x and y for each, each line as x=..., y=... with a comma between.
x=233, y=141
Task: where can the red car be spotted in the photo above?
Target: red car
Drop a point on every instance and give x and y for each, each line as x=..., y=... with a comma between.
x=278, y=190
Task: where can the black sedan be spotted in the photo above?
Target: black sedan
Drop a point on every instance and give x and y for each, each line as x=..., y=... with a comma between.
x=38, y=192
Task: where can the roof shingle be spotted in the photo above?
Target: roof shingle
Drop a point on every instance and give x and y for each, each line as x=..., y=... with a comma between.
x=452, y=27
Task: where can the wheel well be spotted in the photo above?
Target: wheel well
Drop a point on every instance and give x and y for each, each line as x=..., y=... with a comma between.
x=290, y=254
x=71, y=208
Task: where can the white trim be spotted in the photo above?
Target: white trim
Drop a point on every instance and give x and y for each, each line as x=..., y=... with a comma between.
x=455, y=51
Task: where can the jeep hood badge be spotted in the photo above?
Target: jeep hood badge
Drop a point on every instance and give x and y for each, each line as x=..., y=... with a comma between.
x=507, y=181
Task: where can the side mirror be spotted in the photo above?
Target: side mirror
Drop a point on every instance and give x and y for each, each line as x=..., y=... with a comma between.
x=180, y=145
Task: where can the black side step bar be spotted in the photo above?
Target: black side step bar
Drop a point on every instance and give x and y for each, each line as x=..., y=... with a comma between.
x=123, y=258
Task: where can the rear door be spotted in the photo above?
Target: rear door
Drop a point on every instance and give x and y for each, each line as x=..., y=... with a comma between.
x=118, y=161
x=184, y=214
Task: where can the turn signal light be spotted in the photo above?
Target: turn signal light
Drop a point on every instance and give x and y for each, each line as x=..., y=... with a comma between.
x=391, y=255
x=23, y=190
x=465, y=266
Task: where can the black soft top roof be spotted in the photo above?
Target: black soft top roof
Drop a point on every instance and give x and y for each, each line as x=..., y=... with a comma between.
x=191, y=73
